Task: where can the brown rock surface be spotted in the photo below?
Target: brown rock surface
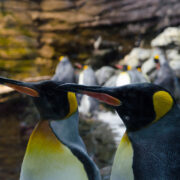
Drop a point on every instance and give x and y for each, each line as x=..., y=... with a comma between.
x=140, y=14
x=72, y=25
x=133, y=16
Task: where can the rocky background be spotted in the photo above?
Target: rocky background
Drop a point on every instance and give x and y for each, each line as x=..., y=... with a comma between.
x=33, y=34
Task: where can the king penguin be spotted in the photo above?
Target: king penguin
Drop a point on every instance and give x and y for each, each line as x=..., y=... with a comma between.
x=88, y=106
x=166, y=78
x=55, y=150
x=150, y=147
x=64, y=71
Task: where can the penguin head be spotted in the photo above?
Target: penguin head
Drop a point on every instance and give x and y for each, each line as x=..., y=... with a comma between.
x=138, y=68
x=51, y=102
x=139, y=105
x=156, y=58
x=64, y=60
x=157, y=62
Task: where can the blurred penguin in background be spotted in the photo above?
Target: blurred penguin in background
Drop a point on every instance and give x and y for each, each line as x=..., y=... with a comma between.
x=166, y=77
x=78, y=70
x=64, y=71
x=88, y=106
x=103, y=74
x=87, y=76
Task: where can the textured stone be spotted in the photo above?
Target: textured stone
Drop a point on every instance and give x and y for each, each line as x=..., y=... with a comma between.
x=46, y=51
x=175, y=65
x=137, y=56
x=170, y=36
x=136, y=16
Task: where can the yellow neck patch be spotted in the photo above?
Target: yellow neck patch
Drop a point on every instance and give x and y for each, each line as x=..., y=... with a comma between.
x=43, y=138
x=129, y=68
x=73, y=105
x=163, y=102
x=156, y=57
x=61, y=58
x=85, y=67
x=125, y=139
x=139, y=69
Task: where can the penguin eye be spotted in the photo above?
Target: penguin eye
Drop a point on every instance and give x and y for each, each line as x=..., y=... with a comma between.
x=50, y=93
x=127, y=118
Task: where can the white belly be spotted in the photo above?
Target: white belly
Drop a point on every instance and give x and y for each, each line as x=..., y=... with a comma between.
x=85, y=105
x=47, y=158
x=81, y=78
x=123, y=79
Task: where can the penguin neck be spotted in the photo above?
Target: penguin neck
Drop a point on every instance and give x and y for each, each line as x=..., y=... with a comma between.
x=67, y=131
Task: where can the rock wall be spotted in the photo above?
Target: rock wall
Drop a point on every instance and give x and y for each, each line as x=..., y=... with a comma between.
x=71, y=26
x=137, y=16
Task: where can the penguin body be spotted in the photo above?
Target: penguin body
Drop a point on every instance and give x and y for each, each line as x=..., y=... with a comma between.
x=55, y=149
x=103, y=74
x=136, y=76
x=64, y=71
x=88, y=106
x=157, y=149
x=87, y=76
x=166, y=78
x=150, y=147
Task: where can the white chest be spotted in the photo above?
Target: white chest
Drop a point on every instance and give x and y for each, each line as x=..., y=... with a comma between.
x=85, y=105
x=122, y=166
x=123, y=79
x=47, y=159
x=81, y=78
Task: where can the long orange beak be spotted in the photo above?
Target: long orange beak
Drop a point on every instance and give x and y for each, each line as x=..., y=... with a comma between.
x=101, y=93
x=22, y=87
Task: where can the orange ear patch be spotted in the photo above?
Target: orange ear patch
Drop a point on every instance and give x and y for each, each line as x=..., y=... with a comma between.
x=104, y=97
x=22, y=89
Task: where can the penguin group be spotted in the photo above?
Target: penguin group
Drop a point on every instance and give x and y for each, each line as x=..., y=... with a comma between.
x=105, y=76
x=149, y=148
x=55, y=150
x=127, y=75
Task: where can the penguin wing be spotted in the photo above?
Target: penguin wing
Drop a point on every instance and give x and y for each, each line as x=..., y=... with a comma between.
x=89, y=165
x=136, y=77
x=89, y=77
